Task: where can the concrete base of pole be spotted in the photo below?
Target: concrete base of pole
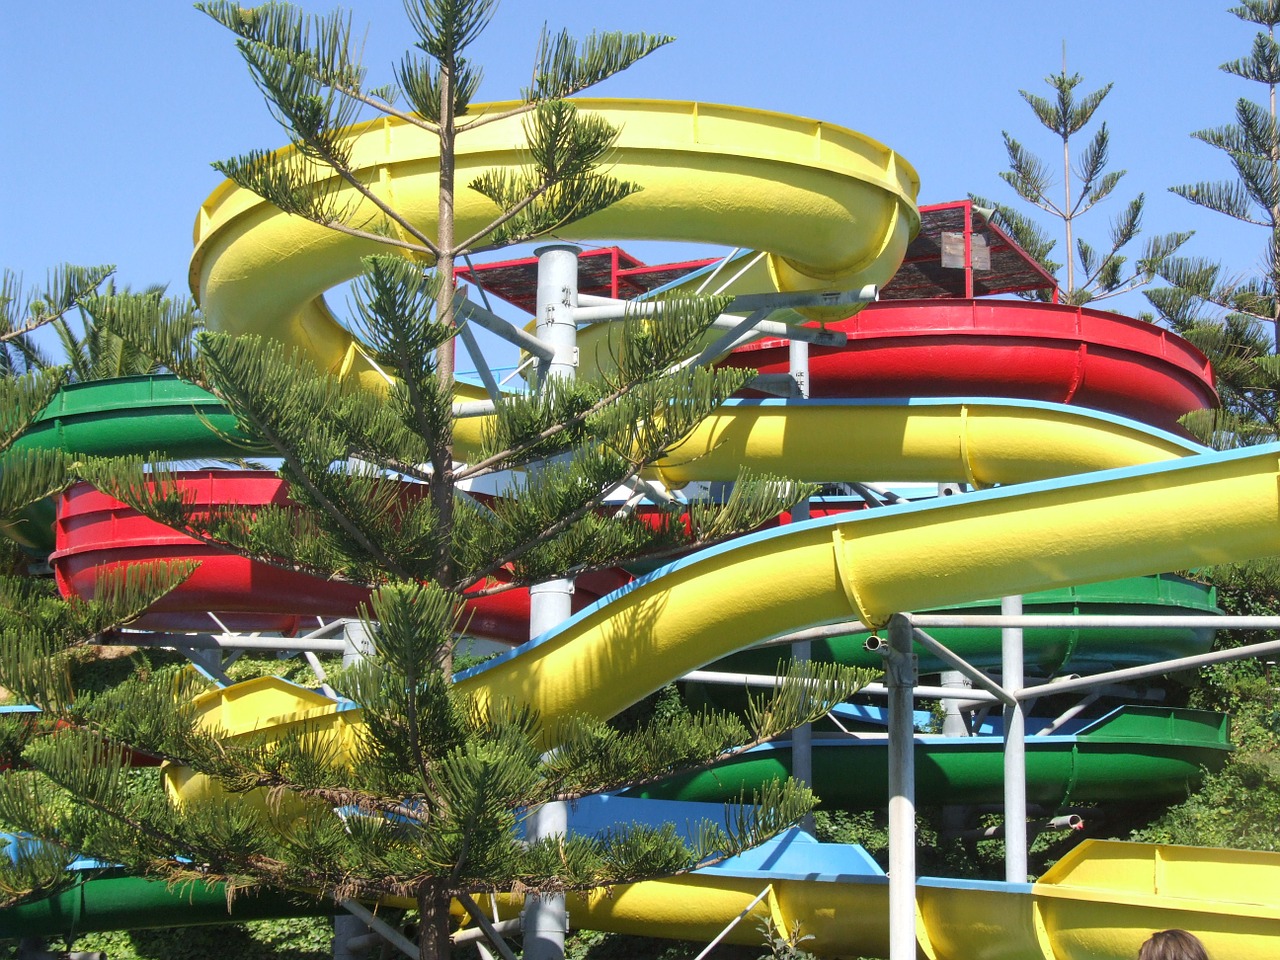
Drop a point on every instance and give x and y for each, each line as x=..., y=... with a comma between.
x=347, y=928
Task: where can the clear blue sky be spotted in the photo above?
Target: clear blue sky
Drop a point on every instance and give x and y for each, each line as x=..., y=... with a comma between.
x=113, y=111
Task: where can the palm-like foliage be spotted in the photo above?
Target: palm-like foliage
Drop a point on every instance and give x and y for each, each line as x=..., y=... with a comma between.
x=1204, y=293
x=23, y=311
x=1079, y=185
x=90, y=352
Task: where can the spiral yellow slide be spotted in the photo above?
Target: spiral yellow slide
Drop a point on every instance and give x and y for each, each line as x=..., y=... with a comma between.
x=835, y=211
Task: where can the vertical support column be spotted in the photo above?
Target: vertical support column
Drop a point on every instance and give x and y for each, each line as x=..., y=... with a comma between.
x=954, y=723
x=345, y=929
x=551, y=603
x=557, y=296
x=799, y=357
x=356, y=642
x=900, y=664
x=802, y=736
x=968, y=249
x=1015, y=749
x=356, y=645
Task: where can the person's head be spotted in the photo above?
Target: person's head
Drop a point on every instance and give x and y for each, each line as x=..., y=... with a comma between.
x=1173, y=945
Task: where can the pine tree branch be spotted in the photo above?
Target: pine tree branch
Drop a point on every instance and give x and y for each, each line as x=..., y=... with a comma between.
x=486, y=118
x=336, y=515
x=504, y=218
x=388, y=108
x=549, y=532
x=381, y=238
x=511, y=453
x=339, y=167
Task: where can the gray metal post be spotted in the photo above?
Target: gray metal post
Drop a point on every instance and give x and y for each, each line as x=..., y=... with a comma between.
x=801, y=651
x=900, y=664
x=551, y=603
x=954, y=723
x=557, y=297
x=1015, y=749
x=799, y=355
x=345, y=929
x=356, y=645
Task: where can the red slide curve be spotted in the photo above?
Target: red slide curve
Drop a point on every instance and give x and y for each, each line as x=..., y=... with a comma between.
x=1016, y=349
x=97, y=533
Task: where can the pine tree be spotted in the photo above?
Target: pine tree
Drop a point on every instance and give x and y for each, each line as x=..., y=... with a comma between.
x=38, y=629
x=1234, y=316
x=430, y=803
x=1084, y=183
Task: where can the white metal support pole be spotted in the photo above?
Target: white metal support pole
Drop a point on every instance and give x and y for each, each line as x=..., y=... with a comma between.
x=1015, y=749
x=900, y=674
x=551, y=603
x=356, y=642
x=802, y=650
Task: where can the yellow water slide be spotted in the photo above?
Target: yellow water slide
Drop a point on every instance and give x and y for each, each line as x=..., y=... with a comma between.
x=1201, y=509
x=835, y=211
x=1099, y=902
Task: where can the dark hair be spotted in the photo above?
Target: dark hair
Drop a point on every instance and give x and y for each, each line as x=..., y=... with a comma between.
x=1173, y=945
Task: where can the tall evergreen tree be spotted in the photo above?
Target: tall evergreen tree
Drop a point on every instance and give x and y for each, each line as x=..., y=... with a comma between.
x=1080, y=184
x=37, y=628
x=430, y=801
x=1233, y=314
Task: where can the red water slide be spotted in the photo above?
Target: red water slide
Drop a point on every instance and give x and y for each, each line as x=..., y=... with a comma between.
x=1014, y=349
x=97, y=533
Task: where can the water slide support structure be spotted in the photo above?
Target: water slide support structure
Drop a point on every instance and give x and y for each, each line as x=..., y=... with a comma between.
x=1015, y=748
x=900, y=671
x=801, y=650
x=551, y=603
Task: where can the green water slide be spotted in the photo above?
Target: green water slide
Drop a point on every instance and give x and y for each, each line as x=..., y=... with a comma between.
x=112, y=901
x=1164, y=749
x=123, y=417
x=1047, y=650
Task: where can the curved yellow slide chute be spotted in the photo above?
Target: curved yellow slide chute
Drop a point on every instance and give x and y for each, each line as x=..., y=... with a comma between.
x=1206, y=508
x=834, y=209
x=1210, y=508
x=982, y=442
